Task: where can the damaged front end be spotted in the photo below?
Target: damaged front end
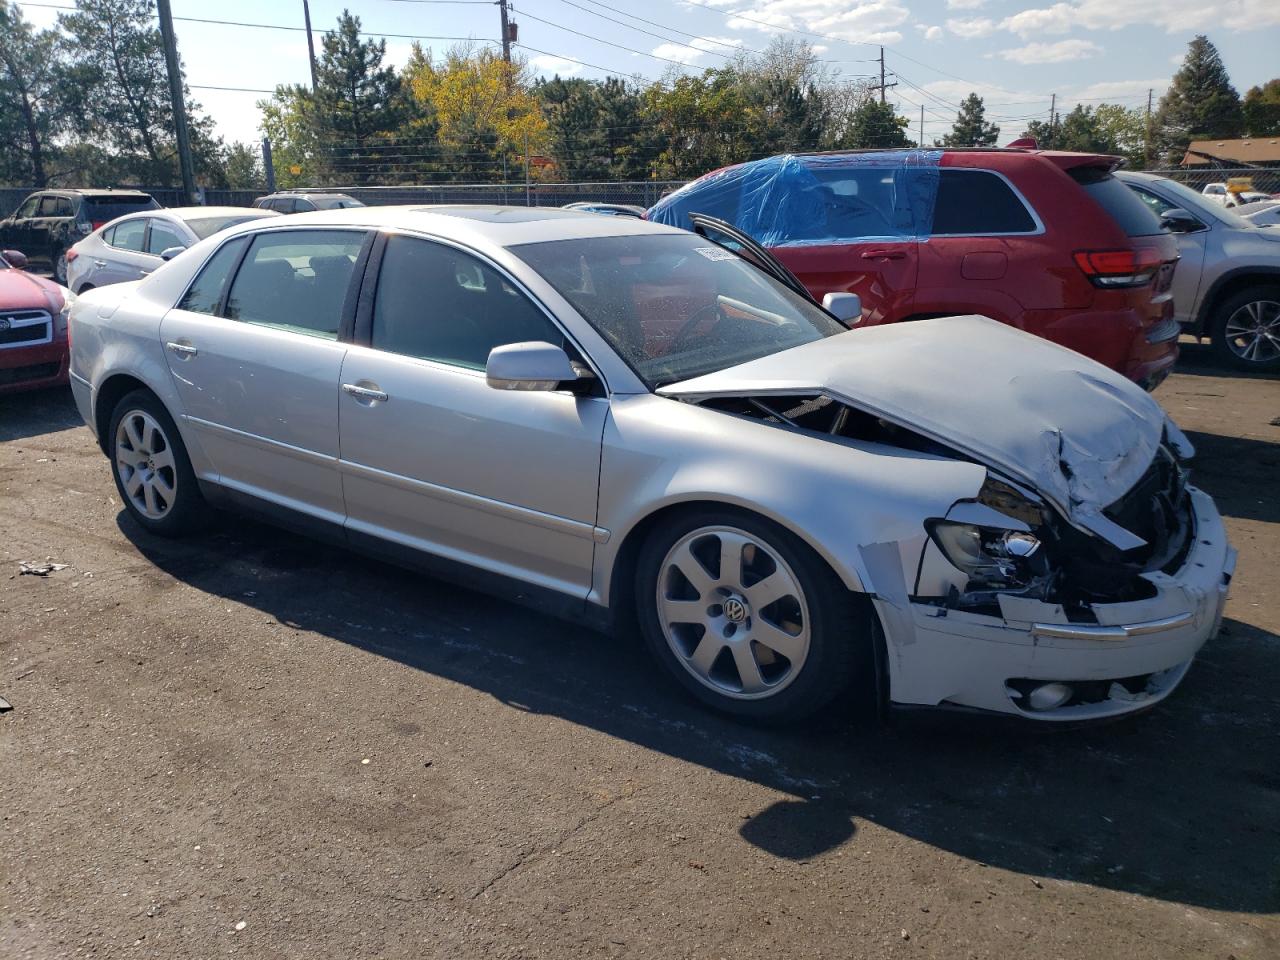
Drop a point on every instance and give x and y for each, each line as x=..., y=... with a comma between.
x=1009, y=542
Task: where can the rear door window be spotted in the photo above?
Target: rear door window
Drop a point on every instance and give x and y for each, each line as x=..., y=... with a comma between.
x=101, y=210
x=49, y=207
x=975, y=202
x=205, y=294
x=1123, y=205
x=296, y=280
x=129, y=235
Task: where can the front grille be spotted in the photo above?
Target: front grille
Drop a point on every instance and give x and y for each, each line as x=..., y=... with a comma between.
x=35, y=371
x=1158, y=509
x=25, y=328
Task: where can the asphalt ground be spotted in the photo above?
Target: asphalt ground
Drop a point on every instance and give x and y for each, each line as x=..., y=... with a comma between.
x=249, y=744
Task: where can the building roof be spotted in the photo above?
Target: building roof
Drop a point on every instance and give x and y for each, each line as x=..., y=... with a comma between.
x=1254, y=151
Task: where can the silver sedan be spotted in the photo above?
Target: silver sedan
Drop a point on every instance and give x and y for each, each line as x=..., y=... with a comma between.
x=644, y=427
x=129, y=248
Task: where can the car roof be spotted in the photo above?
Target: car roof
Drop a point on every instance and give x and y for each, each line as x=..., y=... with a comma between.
x=477, y=224
x=77, y=192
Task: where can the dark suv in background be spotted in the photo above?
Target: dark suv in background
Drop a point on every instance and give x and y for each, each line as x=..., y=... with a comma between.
x=47, y=223
x=290, y=202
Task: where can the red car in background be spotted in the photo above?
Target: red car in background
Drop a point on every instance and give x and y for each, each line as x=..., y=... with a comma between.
x=33, y=328
x=1046, y=241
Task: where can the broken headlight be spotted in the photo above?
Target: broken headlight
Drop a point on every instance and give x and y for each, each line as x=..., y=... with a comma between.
x=993, y=559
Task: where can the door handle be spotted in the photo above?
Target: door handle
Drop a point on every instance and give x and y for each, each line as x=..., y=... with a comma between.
x=884, y=255
x=184, y=350
x=99, y=263
x=364, y=393
x=145, y=273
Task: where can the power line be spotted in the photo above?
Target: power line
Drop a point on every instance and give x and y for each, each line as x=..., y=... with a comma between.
x=610, y=43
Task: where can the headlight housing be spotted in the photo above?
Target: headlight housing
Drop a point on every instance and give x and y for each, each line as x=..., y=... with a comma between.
x=992, y=558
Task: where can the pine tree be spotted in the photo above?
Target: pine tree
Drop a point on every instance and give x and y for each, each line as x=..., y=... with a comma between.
x=875, y=124
x=971, y=128
x=1201, y=103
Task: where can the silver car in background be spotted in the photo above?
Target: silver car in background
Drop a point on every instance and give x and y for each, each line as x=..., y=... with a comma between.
x=130, y=247
x=640, y=426
x=1227, y=283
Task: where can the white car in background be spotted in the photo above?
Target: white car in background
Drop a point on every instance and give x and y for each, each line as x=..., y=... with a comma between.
x=1265, y=213
x=636, y=425
x=130, y=247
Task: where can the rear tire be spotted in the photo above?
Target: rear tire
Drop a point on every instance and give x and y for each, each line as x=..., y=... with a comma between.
x=59, y=262
x=151, y=468
x=774, y=637
x=1246, y=329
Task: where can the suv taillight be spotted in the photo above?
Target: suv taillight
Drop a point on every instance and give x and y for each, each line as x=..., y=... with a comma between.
x=1119, y=268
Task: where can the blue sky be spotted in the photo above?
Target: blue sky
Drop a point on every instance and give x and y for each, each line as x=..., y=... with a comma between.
x=1015, y=53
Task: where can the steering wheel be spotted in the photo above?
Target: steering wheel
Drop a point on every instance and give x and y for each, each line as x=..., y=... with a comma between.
x=690, y=325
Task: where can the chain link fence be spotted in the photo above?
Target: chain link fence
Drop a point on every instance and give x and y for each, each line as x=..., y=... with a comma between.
x=1265, y=179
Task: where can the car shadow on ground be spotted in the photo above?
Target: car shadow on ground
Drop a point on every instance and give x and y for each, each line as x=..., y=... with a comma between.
x=1239, y=473
x=1198, y=359
x=1178, y=804
x=37, y=412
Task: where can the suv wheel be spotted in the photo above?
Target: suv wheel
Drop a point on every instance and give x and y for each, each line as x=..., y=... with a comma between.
x=152, y=471
x=749, y=619
x=1246, y=333
x=59, y=259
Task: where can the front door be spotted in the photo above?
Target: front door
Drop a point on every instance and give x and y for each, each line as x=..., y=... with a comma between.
x=14, y=235
x=434, y=458
x=1186, y=276
x=255, y=353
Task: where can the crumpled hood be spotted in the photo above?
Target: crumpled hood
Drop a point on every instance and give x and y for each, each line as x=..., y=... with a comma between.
x=1077, y=432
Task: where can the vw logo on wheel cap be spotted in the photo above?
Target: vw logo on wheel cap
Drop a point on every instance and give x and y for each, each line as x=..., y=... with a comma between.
x=735, y=610
x=5, y=323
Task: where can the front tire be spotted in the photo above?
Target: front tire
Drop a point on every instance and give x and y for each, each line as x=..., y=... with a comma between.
x=151, y=468
x=1246, y=331
x=59, y=260
x=748, y=619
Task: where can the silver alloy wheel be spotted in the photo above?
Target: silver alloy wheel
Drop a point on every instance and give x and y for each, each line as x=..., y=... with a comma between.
x=144, y=461
x=733, y=612
x=1253, y=332
x=60, y=269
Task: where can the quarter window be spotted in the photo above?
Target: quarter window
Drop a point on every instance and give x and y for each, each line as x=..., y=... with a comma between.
x=974, y=202
x=162, y=237
x=205, y=294
x=296, y=280
x=129, y=235
x=437, y=303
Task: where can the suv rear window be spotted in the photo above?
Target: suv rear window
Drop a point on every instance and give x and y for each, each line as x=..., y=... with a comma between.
x=102, y=209
x=972, y=202
x=1132, y=215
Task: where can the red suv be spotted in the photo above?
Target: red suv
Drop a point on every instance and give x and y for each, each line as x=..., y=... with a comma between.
x=1046, y=241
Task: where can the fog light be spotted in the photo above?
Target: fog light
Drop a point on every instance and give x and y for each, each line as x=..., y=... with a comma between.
x=1049, y=696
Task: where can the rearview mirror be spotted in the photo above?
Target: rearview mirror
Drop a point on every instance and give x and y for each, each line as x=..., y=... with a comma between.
x=533, y=365
x=844, y=306
x=15, y=258
x=1177, y=220
x=168, y=253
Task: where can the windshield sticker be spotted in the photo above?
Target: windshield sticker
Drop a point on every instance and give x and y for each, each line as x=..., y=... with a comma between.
x=717, y=253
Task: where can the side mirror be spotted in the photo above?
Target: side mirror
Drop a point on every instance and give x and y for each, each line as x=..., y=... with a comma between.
x=15, y=258
x=1177, y=220
x=844, y=306
x=168, y=253
x=533, y=365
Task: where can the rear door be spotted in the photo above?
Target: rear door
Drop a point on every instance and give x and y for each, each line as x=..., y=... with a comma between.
x=1191, y=245
x=255, y=348
x=123, y=258
x=40, y=230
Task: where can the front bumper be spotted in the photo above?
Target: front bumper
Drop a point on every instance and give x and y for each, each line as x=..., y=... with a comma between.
x=32, y=368
x=1130, y=659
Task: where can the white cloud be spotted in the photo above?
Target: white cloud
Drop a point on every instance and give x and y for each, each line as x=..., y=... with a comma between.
x=965, y=4
x=1173, y=16
x=702, y=46
x=1056, y=19
x=1060, y=52
x=928, y=32
x=975, y=27
x=1121, y=90
x=544, y=63
x=870, y=21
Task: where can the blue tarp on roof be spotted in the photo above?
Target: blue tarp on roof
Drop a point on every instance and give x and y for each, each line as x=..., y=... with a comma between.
x=810, y=199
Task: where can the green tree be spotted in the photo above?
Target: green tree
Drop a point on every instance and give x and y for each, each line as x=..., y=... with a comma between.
x=971, y=128
x=30, y=113
x=117, y=90
x=1262, y=110
x=575, y=127
x=874, y=124
x=1200, y=102
x=243, y=167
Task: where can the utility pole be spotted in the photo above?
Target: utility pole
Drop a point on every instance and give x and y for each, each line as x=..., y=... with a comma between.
x=311, y=44
x=1146, y=140
x=527, y=201
x=883, y=86
x=506, y=32
x=1053, y=117
x=922, y=126
x=268, y=167
x=179, y=103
